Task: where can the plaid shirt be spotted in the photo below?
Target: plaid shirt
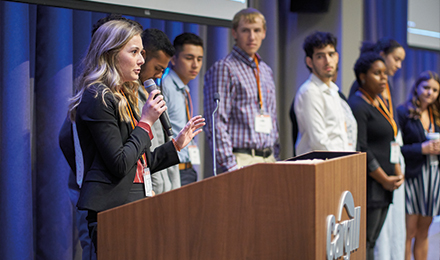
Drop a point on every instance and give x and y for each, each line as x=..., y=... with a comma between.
x=234, y=79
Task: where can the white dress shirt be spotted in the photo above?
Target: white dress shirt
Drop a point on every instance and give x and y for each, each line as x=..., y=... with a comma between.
x=322, y=118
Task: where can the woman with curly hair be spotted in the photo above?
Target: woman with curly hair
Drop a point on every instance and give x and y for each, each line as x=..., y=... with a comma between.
x=393, y=55
x=419, y=120
x=377, y=133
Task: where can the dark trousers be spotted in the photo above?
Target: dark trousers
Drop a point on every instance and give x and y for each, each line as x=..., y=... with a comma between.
x=188, y=176
x=375, y=220
x=84, y=235
x=92, y=223
x=137, y=192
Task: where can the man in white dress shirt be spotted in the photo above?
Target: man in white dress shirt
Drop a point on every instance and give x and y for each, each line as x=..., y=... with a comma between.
x=325, y=121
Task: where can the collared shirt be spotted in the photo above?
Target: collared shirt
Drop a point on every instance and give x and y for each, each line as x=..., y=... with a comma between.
x=169, y=178
x=234, y=79
x=324, y=122
x=174, y=93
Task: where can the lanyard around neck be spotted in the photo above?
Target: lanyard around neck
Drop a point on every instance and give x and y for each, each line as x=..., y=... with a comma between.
x=382, y=109
x=431, y=128
x=188, y=101
x=133, y=121
x=188, y=104
x=257, y=76
x=128, y=109
x=389, y=101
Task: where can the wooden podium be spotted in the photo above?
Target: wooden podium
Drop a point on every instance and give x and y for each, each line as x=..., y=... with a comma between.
x=263, y=211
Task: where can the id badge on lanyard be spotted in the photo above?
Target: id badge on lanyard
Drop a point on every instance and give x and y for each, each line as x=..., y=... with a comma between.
x=148, y=185
x=394, y=152
x=194, y=154
x=433, y=158
x=263, y=123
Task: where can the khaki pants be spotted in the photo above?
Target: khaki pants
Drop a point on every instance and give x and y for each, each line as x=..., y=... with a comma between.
x=244, y=159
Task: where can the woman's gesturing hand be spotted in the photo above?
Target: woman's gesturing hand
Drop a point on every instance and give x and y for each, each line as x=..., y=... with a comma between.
x=190, y=130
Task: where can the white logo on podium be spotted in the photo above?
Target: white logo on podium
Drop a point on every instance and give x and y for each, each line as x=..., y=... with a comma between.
x=346, y=233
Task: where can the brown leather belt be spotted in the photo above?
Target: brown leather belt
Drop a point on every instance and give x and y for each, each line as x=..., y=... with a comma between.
x=266, y=152
x=184, y=166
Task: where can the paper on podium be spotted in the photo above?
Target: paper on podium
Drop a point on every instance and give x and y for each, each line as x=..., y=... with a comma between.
x=306, y=161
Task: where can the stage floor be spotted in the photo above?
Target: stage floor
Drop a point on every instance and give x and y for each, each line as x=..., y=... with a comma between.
x=434, y=239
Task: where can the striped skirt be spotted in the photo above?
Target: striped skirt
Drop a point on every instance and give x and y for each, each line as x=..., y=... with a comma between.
x=422, y=193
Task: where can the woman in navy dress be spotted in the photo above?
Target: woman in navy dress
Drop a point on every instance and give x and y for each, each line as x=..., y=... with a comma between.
x=419, y=121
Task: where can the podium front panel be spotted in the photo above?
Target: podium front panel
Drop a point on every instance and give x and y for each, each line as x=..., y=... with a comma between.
x=263, y=211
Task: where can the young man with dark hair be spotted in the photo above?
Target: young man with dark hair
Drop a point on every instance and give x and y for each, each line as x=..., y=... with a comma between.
x=157, y=52
x=325, y=121
x=246, y=121
x=186, y=65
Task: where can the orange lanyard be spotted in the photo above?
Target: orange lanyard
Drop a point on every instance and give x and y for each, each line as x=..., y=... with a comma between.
x=431, y=122
x=188, y=104
x=390, y=101
x=257, y=76
x=128, y=108
x=132, y=121
x=384, y=111
x=188, y=101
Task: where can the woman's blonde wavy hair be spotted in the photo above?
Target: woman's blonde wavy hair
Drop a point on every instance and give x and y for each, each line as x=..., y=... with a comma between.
x=100, y=67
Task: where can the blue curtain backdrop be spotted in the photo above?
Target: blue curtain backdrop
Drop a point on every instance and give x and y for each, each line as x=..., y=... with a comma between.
x=40, y=49
x=388, y=19
x=16, y=216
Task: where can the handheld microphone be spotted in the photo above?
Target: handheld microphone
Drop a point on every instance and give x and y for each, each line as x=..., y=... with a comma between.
x=214, y=160
x=150, y=85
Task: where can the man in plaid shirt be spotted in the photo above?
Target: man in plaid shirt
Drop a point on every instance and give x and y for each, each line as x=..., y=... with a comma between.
x=246, y=121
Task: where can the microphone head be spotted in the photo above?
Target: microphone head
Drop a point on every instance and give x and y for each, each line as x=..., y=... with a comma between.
x=216, y=97
x=150, y=85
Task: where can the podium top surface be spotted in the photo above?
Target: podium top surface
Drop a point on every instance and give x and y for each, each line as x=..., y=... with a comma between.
x=320, y=155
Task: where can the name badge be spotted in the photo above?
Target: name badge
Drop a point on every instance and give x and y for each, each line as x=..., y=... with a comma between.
x=263, y=124
x=433, y=158
x=148, y=185
x=194, y=154
x=395, y=152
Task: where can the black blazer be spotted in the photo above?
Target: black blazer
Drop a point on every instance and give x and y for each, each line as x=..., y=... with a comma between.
x=413, y=136
x=111, y=149
x=67, y=146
